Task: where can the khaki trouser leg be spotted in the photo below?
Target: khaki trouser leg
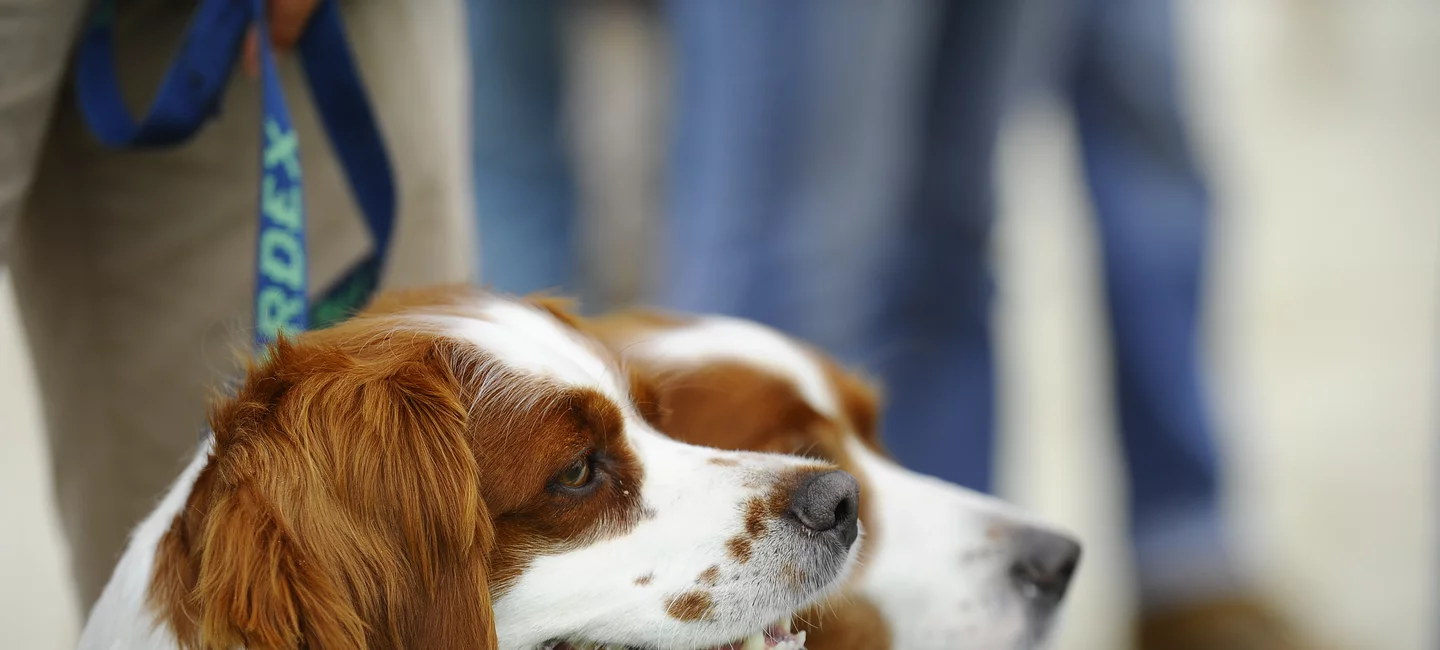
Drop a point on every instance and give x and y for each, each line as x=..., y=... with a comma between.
x=35, y=37
x=134, y=270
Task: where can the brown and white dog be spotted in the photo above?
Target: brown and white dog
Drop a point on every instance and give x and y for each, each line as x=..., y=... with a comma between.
x=453, y=470
x=943, y=568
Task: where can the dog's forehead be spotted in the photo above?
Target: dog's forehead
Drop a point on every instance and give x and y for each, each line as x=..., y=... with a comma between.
x=714, y=338
x=527, y=339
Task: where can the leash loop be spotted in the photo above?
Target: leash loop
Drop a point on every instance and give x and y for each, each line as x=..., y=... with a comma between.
x=191, y=93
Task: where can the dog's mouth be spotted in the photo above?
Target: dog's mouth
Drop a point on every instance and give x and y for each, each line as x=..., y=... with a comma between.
x=779, y=635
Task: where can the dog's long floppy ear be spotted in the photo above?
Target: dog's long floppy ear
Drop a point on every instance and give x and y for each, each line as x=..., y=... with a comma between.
x=258, y=587
x=446, y=547
x=340, y=509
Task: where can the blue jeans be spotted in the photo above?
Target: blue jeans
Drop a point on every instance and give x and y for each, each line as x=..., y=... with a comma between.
x=833, y=177
x=524, y=186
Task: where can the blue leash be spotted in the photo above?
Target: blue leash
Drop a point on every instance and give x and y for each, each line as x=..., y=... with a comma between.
x=191, y=93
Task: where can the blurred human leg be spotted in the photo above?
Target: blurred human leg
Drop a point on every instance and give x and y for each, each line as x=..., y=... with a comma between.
x=867, y=79
x=736, y=77
x=35, y=40
x=524, y=188
x=134, y=270
x=1151, y=210
x=792, y=164
x=931, y=340
x=832, y=178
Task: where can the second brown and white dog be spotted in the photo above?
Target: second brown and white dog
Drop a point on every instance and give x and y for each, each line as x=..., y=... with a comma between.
x=943, y=568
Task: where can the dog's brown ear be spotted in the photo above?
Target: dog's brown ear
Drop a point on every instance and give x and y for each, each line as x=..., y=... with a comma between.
x=258, y=588
x=436, y=525
x=340, y=508
x=232, y=571
x=860, y=401
x=454, y=611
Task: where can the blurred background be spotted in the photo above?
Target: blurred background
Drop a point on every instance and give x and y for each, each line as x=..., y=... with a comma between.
x=1316, y=125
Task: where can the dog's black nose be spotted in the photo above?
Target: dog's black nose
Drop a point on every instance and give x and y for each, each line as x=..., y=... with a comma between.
x=828, y=502
x=1044, y=563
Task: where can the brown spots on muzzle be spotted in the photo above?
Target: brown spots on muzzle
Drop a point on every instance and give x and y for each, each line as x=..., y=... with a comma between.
x=723, y=462
x=756, y=515
x=709, y=577
x=783, y=490
x=739, y=548
x=645, y=579
x=693, y=605
x=760, y=511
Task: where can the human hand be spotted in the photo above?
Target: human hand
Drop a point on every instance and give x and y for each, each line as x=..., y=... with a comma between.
x=288, y=19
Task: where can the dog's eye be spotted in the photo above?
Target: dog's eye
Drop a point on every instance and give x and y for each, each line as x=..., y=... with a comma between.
x=577, y=476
